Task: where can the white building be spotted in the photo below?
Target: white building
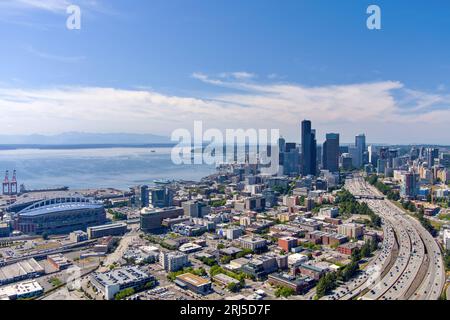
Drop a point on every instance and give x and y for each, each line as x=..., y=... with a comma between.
x=447, y=239
x=23, y=290
x=329, y=212
x=173, y=261
x=114, y=281
x=297, y=259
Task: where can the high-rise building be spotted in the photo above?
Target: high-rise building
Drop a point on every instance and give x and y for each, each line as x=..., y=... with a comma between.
x=144, y=197
x=330, y=152
x=160, y=197
x=195, y=209
x=281, y=144
x=360, y=144
x=444, y=160
x=410, y=185
x=432, y=153
x=356, y=157
x=309, y=149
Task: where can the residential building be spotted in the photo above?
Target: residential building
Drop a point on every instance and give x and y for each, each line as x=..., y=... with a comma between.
x=351, y=230
x=173, y=261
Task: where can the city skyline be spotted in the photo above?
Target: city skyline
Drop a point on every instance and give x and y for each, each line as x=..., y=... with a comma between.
x=272, y=71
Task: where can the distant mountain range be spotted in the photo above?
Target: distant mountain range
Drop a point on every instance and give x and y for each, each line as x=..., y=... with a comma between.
x=81, y=138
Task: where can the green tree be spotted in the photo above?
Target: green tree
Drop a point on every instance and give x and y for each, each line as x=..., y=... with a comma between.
x=326, y=284
x=284, y=292
x=124, y=293
x=233, y=287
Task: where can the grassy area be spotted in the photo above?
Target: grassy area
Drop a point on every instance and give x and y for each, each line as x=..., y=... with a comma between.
x=55, y=282
x=47, y=246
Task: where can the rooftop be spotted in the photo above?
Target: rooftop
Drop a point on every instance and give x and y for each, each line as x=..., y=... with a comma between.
x=193, y=279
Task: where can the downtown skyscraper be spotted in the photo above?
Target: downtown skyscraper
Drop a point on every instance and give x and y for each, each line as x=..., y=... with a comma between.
x=330, y=152
x=309, y=149
x=360, y=144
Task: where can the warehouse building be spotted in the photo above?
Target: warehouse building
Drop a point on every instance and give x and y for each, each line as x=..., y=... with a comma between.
x=21, y=270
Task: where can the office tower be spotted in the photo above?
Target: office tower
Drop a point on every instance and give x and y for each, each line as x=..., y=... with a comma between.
x=291, y=160
x=161, y=197
x=414, y=153
x=346, y=161
x=290, y=146
x=444, y=160
x=195, y=209
x=360, y=144
x=356, y=157
x=144, y=197
x=281, y=145
x=410, y=185
x=381, y=165
x=432, y=153
x=372, y=155
x=343, y=149
x=330, y=152
x=319, y=155
x=309, y=149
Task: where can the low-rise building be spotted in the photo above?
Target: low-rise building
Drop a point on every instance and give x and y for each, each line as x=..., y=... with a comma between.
x=224, y=280
x=256, y=244
x=116, y=280
x=59, y=261
x=24, y=290
x=348, y=248
x=351, y=230
x=152, y=218
x=5, y=230
x=194, y=283
x=297, y=259
x=21, y=270
x=329, y=212
x=78, y=236
x=312, y=271
x=299, y=284
x=114, y=229
x=287, y=243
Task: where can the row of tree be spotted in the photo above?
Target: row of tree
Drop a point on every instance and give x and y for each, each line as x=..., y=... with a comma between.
x=386, y=190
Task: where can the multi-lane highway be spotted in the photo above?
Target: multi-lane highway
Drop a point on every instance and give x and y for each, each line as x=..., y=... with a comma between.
x=409, y=265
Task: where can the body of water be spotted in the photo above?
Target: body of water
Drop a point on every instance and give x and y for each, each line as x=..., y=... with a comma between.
x=96, y=168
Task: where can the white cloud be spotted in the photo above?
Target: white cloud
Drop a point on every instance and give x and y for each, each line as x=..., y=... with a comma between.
x=373, y=108
x=53, y=57
x=14, y=8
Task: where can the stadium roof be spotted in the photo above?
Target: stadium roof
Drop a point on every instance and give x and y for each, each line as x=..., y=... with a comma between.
x=60, y=205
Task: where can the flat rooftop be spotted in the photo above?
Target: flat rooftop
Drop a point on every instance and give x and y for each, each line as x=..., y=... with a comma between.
x=120, y=276
x=21, y=268
x=193, y=279
x=108, y=226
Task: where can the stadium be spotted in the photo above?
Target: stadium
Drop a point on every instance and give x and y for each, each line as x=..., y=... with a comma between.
x=60, y=215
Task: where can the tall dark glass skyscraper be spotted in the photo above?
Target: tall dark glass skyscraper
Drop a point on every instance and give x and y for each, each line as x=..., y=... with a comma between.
x=330, y=152
x=360, y=143
x=309, y=149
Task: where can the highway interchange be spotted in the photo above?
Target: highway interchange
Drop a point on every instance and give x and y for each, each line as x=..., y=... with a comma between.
x=409, y=265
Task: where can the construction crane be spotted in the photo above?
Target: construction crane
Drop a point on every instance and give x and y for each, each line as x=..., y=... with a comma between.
x=6, y=185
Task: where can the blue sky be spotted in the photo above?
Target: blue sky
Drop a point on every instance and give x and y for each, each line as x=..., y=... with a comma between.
x=151, y=66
